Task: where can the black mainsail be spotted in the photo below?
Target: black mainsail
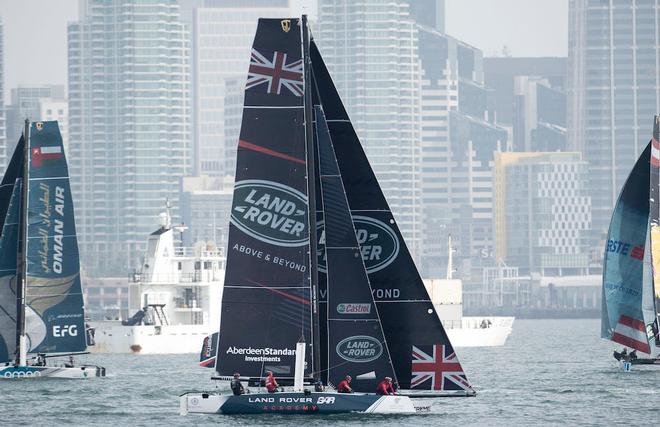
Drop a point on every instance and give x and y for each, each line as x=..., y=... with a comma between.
x=422, y=355
x=10, y=199
x=354, y=334
x=267, y=301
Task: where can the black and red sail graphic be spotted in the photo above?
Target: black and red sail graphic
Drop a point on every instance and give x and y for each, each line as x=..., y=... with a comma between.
x=408, y=318
x=266, y=305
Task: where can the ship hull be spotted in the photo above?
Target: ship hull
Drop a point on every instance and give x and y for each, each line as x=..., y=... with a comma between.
x=302, y=403
x=472, y=335
x=112, y=337
x=33, y=372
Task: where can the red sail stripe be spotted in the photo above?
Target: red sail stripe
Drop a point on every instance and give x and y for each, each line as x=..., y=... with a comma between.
x=208, y=362
x=655, y=149
x=250, y=146
x=284, y=294
x=632, y=323
x=632, y=343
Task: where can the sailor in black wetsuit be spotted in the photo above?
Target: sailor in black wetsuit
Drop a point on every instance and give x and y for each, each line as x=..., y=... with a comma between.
x=236, y=386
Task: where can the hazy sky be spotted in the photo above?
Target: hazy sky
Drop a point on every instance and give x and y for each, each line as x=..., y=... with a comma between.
x=35, y=32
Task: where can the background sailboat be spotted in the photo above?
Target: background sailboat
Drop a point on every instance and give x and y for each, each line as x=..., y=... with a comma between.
x=41, y=296
x=629, y=314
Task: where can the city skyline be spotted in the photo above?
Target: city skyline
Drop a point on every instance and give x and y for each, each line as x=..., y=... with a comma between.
x=28, y=21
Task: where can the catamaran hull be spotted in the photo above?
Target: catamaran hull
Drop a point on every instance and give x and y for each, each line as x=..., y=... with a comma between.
x=640, y=361
x=78, y=372
x=300, y=403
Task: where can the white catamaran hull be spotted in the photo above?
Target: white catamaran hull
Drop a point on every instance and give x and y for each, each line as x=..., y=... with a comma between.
x=301, y=403
x=78, y=372
x=112, y=337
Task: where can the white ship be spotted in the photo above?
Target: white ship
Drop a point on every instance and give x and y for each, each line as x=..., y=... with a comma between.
x=447, y=297
x=175, y=299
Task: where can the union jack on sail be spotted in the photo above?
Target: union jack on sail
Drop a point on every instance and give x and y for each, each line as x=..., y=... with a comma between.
x=436, y=367
x=275, y=73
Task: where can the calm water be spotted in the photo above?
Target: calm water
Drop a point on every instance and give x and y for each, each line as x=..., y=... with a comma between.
x=550, y=372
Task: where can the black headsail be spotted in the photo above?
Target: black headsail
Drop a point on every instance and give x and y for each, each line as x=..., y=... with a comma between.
x=421, y=353
x=355, y=338
x=10, y=195
x=267, y=304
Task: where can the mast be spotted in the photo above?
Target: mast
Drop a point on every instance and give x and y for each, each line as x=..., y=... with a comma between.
x=311, y=197
x=21, y=343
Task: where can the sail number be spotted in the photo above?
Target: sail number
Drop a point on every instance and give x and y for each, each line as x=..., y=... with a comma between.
x=65, y=330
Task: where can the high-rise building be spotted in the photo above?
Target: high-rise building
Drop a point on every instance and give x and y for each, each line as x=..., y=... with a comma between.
x=459, y=137
x=4, y=151
x=542, y=212
x=223, y=31
x=539, y=118
x=500, y=75
x=28, y=102
x=56, y=109
x=429, y=13
x=371, y=49
x=130, y=141
x=613, y=93
x=206, y=208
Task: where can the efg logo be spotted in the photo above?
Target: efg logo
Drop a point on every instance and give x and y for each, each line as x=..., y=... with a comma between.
x=360, y=349
x=378, y=243
x=270, y=212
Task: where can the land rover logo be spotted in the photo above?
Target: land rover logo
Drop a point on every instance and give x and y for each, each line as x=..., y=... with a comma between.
x=378, y=243
x=360, y=349
x=270, y=212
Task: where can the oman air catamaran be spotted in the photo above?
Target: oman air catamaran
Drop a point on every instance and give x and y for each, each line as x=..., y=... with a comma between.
x=631, y=272
x=301, y=299
x=41, y=302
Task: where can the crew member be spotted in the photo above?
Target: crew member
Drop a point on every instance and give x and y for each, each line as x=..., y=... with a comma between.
x=236, y=386
x=318, y=386
x=69, y=364
x=385, y=387
x=345, y=385
x=41, y=360
x=271, y=382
